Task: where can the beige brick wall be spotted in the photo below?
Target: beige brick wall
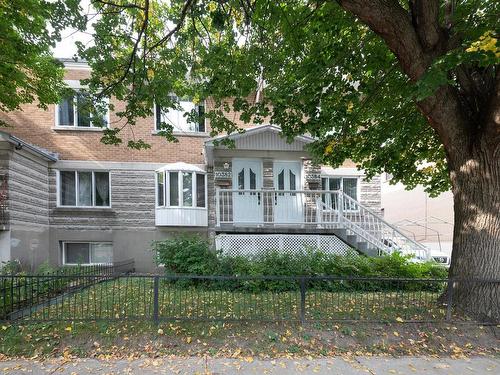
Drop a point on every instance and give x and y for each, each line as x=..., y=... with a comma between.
x=36, y=126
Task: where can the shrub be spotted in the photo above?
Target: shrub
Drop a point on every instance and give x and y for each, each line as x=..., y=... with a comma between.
x=185, y=254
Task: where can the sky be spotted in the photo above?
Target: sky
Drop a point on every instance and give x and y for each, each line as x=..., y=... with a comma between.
x=66, y=47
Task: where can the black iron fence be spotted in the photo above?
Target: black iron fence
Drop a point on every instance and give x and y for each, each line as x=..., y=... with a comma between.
x=241, y=298
x=19, y=292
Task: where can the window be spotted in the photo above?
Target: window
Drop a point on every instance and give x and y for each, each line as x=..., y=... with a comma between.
x=179, y=119
x=349, y=185
x=181, y=189
x=84, y=189
x=74, y=111
x=86, y=253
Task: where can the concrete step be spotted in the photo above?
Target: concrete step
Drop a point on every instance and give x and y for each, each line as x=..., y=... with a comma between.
x=351, y=239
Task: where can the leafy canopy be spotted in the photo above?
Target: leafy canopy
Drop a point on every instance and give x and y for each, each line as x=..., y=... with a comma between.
x=318, y=68
x=29, y=29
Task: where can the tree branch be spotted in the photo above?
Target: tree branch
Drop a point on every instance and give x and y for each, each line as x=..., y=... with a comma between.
x=183, y=15
x=393, y=24
x=122, y=6
x=425, y=16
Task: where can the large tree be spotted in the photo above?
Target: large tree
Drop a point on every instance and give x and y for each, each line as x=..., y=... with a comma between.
x=407, y=87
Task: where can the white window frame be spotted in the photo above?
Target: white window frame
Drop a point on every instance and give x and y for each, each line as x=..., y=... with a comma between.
x=63, y=251
x=58, y=187
x=358, y=186
x=177, y=130
x=75, y=126
x=166, y=187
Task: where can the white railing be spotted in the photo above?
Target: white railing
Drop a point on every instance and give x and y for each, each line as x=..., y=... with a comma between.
x=363, y=222
x=273, y=207
x=318, y=208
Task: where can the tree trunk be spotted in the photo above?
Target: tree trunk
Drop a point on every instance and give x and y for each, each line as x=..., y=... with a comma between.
x=475, y=178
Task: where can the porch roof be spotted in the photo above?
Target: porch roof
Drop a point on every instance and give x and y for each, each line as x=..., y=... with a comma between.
x=262, y=137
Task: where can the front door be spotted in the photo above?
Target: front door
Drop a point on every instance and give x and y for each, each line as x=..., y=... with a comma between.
x=247, y=204
x=288, y=206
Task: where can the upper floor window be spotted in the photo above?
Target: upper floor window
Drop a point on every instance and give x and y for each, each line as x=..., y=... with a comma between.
x=179, y=118
x=84, y=189
x=180, y=189
x=74, y=111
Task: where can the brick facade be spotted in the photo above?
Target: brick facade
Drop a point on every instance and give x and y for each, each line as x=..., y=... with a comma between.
x=36, y=126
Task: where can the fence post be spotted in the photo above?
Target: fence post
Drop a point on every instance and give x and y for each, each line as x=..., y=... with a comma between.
x=302, y=300
x=449, y=296
x=155, y=300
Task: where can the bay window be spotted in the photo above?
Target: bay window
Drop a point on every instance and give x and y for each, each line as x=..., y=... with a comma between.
x=87, y=253
x=84, y=189
x=179, y=118
x=181, y=189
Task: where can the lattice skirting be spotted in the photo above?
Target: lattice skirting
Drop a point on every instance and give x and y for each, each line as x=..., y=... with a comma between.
x=252, y=244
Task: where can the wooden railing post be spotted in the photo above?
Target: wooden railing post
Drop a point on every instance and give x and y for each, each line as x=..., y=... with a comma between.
x=340, y=194
x=217, y=206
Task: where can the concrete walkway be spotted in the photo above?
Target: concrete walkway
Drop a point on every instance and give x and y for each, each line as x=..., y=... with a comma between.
x=196, y=365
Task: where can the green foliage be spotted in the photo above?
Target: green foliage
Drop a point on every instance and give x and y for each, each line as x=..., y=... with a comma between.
x=185, y=254
x=325, y=73
x=193, y=255
x=30, y=29
x=11, y=267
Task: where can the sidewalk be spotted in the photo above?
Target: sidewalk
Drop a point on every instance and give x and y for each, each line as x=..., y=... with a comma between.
x=196, y=365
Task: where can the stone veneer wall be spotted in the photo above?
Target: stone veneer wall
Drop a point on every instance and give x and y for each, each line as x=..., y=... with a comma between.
x=28, y=214
x=371, y=195
x=132, y=205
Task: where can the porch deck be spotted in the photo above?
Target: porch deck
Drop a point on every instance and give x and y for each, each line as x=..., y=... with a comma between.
x=311, y=212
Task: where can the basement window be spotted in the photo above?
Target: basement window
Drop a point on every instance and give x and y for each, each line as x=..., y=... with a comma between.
x=87, y=253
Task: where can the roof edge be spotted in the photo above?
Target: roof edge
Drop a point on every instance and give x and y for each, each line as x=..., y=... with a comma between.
x=256, y=130
x=19, y=144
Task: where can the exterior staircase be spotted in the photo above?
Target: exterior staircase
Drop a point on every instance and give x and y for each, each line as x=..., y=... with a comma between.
x=261, y=212
x=367, y=232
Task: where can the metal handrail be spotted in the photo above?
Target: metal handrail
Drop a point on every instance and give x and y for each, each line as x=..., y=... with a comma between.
x=344, y=214
x=385, y=222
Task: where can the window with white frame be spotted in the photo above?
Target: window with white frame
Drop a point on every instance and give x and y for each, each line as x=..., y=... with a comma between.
x=179, y=119
x=74, y=111
x=349, y=185
x=181, y=189
x=87, y=253
x=84, y=189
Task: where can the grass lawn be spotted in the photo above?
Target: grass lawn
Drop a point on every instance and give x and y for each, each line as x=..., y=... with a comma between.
x=132, y=298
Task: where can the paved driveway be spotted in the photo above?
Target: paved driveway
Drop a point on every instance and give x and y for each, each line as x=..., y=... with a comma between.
x=194, y=365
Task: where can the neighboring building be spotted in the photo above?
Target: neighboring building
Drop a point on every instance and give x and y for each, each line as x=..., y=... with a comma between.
x=68, y=198
x=427, y=220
